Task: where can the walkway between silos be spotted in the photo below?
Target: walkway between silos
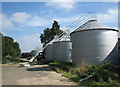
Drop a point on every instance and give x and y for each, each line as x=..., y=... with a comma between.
x=33, y=75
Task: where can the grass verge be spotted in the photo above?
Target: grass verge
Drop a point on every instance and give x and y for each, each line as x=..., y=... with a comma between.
x=103, y=75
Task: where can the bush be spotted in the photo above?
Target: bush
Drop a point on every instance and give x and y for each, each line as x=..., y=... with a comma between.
x=104, y=84
x=80, y=70
x=103, y=75
x=54, y=63
x=99, y=84
x=28, y=58
x=9, y=59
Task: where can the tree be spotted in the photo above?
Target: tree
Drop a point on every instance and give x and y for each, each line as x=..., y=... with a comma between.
x=7, y=43
x=9, y=47
x=16, y=49
x=55, y=28
x=25, y=55
x=49, y=34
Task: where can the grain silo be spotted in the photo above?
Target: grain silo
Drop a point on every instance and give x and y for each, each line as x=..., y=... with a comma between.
x=62, y=49
x=48, y=49
x=55, y=52
x=48, y=52
x=94, y=43
x=65, y=47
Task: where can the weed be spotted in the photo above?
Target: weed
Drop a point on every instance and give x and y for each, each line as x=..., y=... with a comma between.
x=103, y=75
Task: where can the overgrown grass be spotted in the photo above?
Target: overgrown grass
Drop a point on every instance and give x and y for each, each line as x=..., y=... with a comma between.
x=103, y=75
x=105, y=84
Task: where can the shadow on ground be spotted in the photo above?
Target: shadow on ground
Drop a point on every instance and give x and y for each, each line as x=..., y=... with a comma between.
x=46, y=68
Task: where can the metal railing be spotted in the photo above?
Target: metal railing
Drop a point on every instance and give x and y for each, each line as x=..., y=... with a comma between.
x=80, y=21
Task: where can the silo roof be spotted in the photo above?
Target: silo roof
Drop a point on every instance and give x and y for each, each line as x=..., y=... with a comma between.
x=93, y=25
x=65, y=38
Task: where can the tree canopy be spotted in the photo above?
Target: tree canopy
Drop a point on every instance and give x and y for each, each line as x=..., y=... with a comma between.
x=49, y=33
x=9, y=47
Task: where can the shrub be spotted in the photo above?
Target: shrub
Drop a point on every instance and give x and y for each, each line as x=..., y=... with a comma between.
x=81, y=70
x=103, y=75
x=28, y=58
x=99, y=84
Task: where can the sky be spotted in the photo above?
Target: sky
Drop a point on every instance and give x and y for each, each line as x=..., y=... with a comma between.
x=25, y=21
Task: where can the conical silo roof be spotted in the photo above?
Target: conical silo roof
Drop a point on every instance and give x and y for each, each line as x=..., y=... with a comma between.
x=93, y=25
x=65, y=38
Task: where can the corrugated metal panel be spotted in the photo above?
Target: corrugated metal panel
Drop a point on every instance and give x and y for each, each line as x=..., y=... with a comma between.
x=93, y=24
x=65, y=38
x=65, y=51
x=48, y=52
x=55, y=52
x=94, y=46
x=62, y=49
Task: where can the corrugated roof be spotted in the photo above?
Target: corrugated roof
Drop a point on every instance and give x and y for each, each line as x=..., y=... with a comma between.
x=65, y=38
x=92, y=24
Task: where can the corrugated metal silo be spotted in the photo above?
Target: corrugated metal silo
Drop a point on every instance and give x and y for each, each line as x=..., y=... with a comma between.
x=62, y=49
x=94, y=43
x=48, y=52
x=65, y=47
x=49, y=49
x=55, y=52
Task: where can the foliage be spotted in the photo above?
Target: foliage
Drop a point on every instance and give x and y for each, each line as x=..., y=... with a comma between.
x=54, y=63
x=16, y=49
x=28, y=58
x=10, y=50
x=10, y=59
x=49, y=34
x=26, y=55
x=105, y=84
x=103, y=75
x=9, y=47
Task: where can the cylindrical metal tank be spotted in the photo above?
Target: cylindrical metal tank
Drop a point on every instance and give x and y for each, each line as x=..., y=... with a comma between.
x=94, y=43
x=48, y=52
x=62, y=49
x=55, y=51
x=65, y=49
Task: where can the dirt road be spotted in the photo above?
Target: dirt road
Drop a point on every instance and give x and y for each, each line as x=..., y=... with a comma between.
x=12, y=74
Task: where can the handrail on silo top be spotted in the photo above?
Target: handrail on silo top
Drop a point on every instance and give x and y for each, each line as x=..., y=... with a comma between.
x=80, y=21
x=56, y=38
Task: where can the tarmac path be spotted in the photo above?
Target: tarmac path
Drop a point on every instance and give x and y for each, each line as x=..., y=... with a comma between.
x=12, y=74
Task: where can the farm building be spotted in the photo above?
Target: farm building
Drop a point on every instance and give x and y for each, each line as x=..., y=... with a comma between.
x=94, y=43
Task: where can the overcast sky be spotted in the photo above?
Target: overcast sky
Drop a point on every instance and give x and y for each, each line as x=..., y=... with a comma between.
x=25, y=21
